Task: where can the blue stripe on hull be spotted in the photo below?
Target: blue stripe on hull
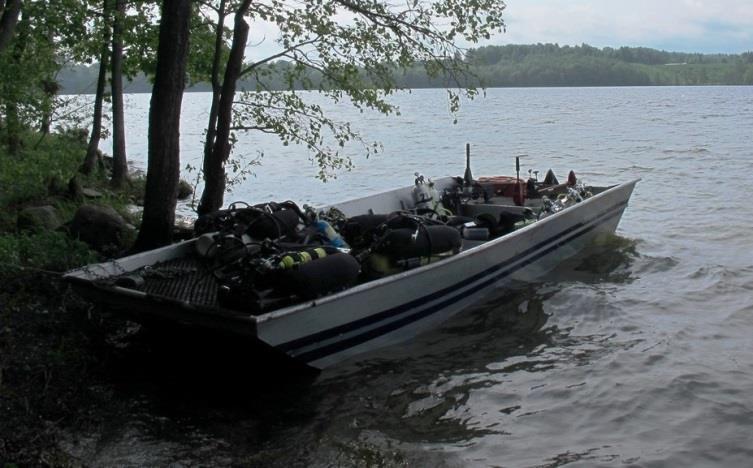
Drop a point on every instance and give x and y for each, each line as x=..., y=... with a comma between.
x=449, y=295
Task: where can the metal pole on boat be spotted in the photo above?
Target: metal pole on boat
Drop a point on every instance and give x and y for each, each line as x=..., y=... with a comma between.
x=468, y=176
x=517, y=167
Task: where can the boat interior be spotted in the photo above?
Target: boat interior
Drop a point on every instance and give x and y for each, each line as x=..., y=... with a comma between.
x=256, y=259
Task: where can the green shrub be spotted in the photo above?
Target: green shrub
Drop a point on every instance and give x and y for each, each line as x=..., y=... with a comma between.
x=52, y=250
x=42, y=159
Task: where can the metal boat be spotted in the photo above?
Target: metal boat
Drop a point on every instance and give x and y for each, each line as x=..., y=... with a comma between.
x=372, y=314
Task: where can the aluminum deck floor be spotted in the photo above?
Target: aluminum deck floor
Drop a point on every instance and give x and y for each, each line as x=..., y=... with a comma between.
x=185, y=279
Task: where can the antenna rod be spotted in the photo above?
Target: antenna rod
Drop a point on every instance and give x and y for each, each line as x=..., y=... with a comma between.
x=517, y=167
x=468, y=176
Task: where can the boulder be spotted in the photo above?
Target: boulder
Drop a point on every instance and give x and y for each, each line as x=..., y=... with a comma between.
x=184, y=190
x=101, y=227
x=38, y=218
x=90, y=193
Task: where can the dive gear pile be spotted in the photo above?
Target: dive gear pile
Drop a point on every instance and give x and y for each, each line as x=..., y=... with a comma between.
x=272, y=255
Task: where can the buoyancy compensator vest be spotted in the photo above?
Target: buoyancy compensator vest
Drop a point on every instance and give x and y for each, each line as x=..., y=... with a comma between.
x=359, y=230
x=264, y=221
x=245, y=225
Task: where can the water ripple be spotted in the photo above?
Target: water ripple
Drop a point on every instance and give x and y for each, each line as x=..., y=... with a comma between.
x=637, y=354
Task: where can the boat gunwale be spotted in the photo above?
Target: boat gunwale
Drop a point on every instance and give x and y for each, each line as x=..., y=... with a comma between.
x=83, y=278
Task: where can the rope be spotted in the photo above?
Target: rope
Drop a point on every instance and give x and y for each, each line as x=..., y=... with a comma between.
x=32, y=269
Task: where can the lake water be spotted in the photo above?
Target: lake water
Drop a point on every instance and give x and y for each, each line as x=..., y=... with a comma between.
x=638, y=355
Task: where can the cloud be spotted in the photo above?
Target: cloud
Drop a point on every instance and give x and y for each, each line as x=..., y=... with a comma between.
x=721, y=26
x=678, y=25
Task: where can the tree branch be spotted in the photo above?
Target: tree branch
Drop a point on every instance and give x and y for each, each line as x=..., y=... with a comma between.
x=284, y=53
x=375, y=17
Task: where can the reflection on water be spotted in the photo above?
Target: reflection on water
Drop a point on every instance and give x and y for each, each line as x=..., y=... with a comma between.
x=609, y=259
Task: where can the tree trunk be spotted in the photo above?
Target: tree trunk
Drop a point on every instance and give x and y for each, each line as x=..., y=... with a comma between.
x=163, y=170
x=216, y=86
x=8, y=22
x=119, y=161
x=50, y=89
x=13, y=125
x=13, y=128
x=214, y=165
x=92, y=151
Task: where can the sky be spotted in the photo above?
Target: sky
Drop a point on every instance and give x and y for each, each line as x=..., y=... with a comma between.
x=718, y=26
x=677, y=25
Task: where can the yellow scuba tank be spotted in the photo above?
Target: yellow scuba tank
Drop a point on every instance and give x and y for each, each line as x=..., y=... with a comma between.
x=292, y=259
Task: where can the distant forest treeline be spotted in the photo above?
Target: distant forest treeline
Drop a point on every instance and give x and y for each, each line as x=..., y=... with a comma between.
x=553, y=65
x=525, y=65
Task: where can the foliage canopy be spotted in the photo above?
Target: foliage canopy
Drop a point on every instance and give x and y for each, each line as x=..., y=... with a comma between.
x=352, y=51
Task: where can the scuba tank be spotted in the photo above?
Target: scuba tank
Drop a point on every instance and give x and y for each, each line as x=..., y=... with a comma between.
x=225, y=248
x=422, y=193
x=313, y=272
x=426, y=198
x=292, y=259
x=328, y=232
x=321, y=276
x=425, y=195
x=204, y=245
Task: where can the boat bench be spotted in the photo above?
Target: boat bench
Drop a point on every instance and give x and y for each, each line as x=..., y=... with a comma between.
x=473, y=209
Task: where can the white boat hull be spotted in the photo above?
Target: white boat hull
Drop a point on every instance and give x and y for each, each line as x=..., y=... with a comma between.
x=377, y=313
x=394, y=309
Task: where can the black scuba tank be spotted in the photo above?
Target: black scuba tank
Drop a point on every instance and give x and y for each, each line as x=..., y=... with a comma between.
x=320, y=276
x=421, y=241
